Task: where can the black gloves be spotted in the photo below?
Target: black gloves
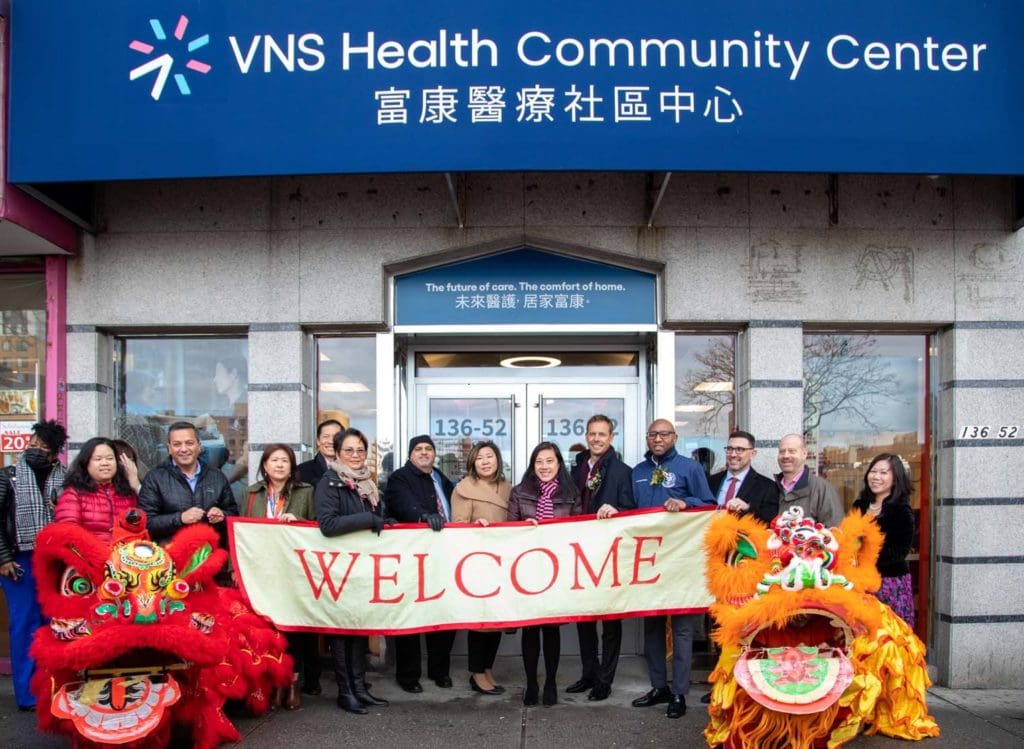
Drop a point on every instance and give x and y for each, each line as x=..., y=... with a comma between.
x=377, y=523
x=434, y=520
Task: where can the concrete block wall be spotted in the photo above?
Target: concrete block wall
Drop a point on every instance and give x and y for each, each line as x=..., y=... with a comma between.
x=978, y=552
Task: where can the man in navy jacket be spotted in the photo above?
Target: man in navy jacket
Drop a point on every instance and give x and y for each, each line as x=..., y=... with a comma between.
x=606, y=486
x=667, y=479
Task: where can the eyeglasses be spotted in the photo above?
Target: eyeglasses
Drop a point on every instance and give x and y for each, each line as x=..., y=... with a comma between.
x=354, y=451
x=663, y=435
x=740, y=450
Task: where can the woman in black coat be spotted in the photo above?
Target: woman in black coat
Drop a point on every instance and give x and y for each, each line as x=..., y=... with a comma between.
x=346, y=500
x=886, y=497
x=547, y=491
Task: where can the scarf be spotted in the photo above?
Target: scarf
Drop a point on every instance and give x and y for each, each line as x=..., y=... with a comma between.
x=365, y=486
x=545, y=506
x=34, y=509
x=590, y=481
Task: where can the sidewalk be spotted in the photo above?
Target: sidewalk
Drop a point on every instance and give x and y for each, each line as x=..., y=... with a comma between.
x=978, y=719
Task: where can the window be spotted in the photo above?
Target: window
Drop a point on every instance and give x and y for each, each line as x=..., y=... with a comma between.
x=705, y=396
x=204, y=381
x=864, y=395
x=22, y=360
x=347, y=390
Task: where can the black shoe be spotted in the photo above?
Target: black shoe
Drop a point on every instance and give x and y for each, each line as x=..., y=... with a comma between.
x=706, y=698
x=445, y=682
x=312, y=687
x=676, y=707
x=531, y=694
x=411, y=686
x=480, y=690
x=580, y=686
x=655, y=697
x=550, y=696
x=362, y=694
x=350, y=704
x=599, y=692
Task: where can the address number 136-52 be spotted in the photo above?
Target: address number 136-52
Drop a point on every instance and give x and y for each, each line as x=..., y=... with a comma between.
x=974, y=432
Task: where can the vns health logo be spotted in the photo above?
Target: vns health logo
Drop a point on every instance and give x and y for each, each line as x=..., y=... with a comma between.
x=163, y=63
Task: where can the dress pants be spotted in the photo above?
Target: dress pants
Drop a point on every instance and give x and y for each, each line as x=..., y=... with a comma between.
x=304, y=648
x=600, y=671
x=482, y=648
x=25, y=618
x=408, y=666
x=682, y=651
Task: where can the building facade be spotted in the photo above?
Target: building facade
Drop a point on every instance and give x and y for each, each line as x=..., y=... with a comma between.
x=827, y=245
x=288, y=271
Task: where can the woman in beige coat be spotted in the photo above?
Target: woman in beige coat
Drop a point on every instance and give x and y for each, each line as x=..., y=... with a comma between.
x=482, y=498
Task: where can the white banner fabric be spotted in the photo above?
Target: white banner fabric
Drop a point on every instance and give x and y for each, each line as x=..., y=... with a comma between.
x=411, y=579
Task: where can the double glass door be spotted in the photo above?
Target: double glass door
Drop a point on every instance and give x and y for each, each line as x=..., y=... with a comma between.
x=517, y=416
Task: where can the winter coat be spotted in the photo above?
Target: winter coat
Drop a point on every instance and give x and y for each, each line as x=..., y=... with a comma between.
x=474, y=500
x=299, y=502
x=522, y=504
x=340, y=509
x=165, y=494
x=95, y=511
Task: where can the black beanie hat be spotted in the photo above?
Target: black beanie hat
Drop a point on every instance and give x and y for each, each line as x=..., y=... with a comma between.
x=419, y=441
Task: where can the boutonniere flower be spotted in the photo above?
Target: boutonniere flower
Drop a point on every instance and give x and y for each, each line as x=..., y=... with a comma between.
x=659, y=476
x=594, y=481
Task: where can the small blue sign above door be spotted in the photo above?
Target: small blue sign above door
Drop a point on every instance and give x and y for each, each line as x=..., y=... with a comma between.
x=526, y=287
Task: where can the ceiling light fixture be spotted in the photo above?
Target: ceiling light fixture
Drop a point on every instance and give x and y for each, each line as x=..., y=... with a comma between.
x=532, y=361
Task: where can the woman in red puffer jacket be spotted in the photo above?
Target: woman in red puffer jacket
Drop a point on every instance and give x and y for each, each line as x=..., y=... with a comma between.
x=96, y=490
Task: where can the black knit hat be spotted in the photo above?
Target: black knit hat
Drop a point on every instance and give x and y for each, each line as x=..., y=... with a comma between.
x=420, y=440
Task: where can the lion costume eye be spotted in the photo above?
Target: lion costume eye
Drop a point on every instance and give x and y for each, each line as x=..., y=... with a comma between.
x=744, y=550
x=74, y=585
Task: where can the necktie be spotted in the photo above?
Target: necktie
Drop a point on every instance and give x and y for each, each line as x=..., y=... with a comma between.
x=731, y=491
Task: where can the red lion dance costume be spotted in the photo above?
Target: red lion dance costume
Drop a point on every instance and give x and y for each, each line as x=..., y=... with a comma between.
x=142, y=640
x=809, y=657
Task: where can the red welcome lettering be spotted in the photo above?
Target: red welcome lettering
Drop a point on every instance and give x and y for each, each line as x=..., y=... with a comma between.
x=581, y=558
x=515, y=575
x=637, y=559
x=458, y=575
x=421, y=567
x=325, y=572
x=377, y=577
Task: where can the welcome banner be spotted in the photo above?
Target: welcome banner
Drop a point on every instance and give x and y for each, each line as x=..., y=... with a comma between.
x=410, y=579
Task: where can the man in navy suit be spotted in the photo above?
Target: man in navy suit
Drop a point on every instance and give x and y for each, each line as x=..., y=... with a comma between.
x=606, y=486
x=740, y=488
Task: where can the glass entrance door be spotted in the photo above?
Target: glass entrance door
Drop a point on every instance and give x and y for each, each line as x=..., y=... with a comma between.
x=516, y=416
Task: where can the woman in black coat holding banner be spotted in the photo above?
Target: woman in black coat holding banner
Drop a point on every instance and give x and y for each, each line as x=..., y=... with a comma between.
x=346, y=500
x=547, y=491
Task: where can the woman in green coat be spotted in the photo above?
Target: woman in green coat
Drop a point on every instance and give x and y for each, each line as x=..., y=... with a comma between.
x=280, y=495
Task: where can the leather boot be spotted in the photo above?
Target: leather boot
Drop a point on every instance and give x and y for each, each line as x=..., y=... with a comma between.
x=356, y=657
x=346, y=700
x=292, y=698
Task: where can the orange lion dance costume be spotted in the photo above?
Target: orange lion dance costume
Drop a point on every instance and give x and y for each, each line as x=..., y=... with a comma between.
x=809, y=657
x=142, y=640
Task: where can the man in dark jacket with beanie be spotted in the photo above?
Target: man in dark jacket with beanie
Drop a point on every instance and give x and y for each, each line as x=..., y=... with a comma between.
x=419, y=493
x=606, y=486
